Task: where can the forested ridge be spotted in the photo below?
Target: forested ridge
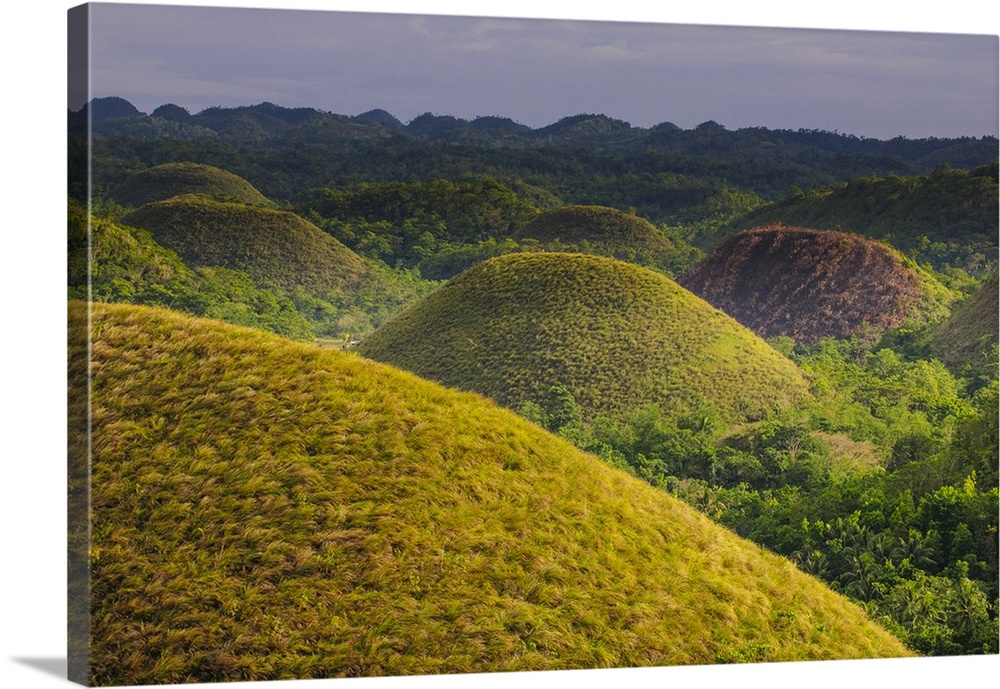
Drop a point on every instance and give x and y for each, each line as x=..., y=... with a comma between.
x=881, y=479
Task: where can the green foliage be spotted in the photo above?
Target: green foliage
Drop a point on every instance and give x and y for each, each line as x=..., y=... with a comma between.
x=263, y=509
x=126, y=265
x=336, y=290
x=967, y=340
x=947, y=218
x=902, y=517
x=406, y=222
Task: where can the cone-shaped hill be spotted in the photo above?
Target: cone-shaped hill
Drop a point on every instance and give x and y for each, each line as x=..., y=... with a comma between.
x=968, y=336
x=177, y=179
x=809, y=284
x=616, y=335
x=262, y=509
x=607, y=231
x=274, y=247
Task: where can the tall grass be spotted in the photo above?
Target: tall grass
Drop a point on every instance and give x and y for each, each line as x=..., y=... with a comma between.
x=263, y=509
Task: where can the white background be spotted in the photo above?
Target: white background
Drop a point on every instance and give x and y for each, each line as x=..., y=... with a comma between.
x=32, y=383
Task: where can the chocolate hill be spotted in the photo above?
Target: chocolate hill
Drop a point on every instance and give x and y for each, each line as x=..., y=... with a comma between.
x=261, y=509
x=615, y=335
x=808, y=284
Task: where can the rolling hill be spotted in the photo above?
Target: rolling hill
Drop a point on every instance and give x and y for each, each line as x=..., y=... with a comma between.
x=262, y=509
x=162, y=182
x=969, y=336
x=273, y=246
x=947, y=217
x=809, y=284
x=610, y=232
x=615, y=335
x=331, y=286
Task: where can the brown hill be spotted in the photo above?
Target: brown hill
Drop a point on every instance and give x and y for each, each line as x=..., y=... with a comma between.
x=808, y=284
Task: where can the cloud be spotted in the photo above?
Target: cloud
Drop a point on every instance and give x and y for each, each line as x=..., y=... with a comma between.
x=536, y=71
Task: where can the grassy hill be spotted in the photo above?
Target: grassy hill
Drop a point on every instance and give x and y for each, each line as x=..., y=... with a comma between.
x=331, y=286
x=263, y=509
x=948, y=217
x=273, y=246
x=615, y=335
x=127, y=265
x=969, y=336
x=610, y=232
x=809, y=284
x=177, y=179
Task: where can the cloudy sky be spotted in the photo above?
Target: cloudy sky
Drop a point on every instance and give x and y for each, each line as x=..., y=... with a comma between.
x=870, y=83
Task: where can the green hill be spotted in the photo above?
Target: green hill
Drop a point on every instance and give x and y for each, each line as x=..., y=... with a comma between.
x=610, y=232
x=263, y=509
x=946, y=218
x=177, y=179
x=615, y=335
x=969, y=336
x=808, y=284
x=273, y=246
x=127, y=265
x=336, y=290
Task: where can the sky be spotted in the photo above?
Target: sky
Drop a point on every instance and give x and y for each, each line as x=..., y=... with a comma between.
x=870, y=83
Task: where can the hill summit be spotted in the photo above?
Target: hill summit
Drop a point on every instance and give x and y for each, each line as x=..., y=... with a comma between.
x=273, y=246
x=263, y=510
x=162, y=182
x=807, y=284
x=615, y=335
x=607, y=231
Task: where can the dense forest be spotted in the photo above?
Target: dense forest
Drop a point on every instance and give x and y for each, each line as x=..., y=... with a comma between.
x=880, y=478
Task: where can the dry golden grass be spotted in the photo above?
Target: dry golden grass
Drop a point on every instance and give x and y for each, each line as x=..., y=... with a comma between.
x=263, y=509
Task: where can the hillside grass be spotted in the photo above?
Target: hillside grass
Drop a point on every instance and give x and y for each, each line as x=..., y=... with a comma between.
x=969, y=337
x=113, y=262
x=609, y=232
x=162, y=182
x=808, y=284
x=945, y=218
x=263, y=509
x=274, y=246
x=615, y=335
x=337, y=291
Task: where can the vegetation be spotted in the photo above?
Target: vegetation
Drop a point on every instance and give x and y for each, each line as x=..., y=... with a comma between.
x=707, y=175
x=947, y=218
x=165, y=181
x=407, y=224
x=333, y=288
x=126, y=265
x=266, y=510
x=967, y=341
x=884, y=485
x=610, y=232
x=809, y=284
x=613, y=334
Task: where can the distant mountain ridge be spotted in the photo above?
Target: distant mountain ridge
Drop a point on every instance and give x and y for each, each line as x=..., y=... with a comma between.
x=113, y=115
